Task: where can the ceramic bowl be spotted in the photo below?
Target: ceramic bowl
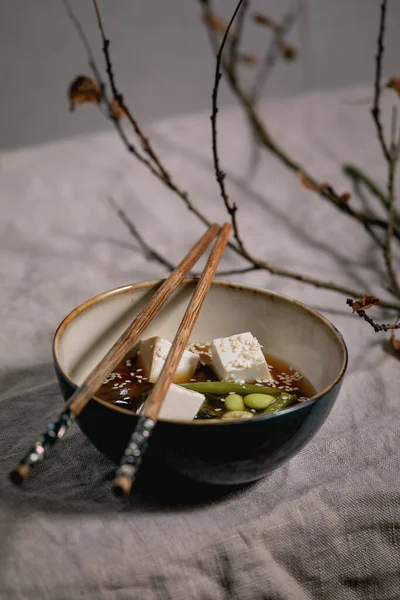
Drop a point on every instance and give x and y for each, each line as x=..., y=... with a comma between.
x=219, y=452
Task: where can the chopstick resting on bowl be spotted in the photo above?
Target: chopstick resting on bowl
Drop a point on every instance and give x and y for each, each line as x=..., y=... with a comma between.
x=79, y=399
x=138, y=443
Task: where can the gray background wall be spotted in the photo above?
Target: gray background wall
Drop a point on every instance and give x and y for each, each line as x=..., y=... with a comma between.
x=162, y=58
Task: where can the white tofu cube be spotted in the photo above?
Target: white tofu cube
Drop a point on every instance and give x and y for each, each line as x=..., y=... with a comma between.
x=153, y=353
x=239, y=358
x=180, y=404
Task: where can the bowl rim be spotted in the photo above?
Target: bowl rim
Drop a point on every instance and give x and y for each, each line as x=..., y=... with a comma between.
x=217, y=282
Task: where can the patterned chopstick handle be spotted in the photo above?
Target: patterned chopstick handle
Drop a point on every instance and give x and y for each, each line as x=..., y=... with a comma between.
x=52, y=433
x=133, y=456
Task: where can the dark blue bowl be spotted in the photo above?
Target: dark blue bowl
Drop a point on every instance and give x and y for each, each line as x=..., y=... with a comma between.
x=220, y=452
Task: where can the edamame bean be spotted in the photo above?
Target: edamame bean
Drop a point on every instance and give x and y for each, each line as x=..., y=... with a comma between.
x=236, y=415
x=258, y=401
x=234, y=402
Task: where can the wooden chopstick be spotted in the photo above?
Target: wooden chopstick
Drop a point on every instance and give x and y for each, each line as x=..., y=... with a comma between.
x=137, y=446
x=56, y=430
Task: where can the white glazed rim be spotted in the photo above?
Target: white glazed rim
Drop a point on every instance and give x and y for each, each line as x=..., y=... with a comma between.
x=239, y=286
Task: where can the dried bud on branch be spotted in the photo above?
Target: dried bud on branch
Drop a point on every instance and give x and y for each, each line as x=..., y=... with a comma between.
x=394, y=84
x=310, y=185
x=117, y=110
x=83, y=89
x=248, y=59
x=215, y=22
x=344, y=198
x=370, y=301
x=288, y=52
x=265, y=21
x=365, y=303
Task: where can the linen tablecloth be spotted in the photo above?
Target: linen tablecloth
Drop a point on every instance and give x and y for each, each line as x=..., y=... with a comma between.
x=326, y=525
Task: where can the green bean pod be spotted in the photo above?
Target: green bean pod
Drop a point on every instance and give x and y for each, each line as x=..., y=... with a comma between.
x=222, y=388
x=282, y=402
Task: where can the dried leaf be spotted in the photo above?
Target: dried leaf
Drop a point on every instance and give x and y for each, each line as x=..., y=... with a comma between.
x=395, y=342
x=117, y=110
x=310, y=185
x=365, y=303
x=394, y=84
x=345, y=197
x=83, y=89
x=248, y=59
x=214, y=22
x=261, y=19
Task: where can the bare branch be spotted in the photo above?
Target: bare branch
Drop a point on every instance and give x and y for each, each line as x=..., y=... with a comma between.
x=375, y=326
x=358, y=176
x=390, y=154
x=183, y=195
x=393, y=132
x=162, y=175
x=266, y=140
x=273, y=52
x=97, y=74
x=376, y=109
x=220, y=175
x=147, y=250
x=389, y=233
x=146, y=145
x=84, y=39
x=237, y=34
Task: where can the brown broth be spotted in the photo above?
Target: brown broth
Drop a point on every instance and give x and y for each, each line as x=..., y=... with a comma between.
x=127, y=386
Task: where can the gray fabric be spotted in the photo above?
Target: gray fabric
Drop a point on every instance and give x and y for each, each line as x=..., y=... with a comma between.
x=324, y=526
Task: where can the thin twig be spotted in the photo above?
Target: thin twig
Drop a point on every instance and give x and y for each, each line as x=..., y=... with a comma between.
x=273, y=53
x=147, y=250
x=377, y=327
x=389, y=233
x=393, y=132
x=183, y=195
x=237, y=34
x=220, y=175
x=145, y=142
x=358, y=176
x=152, y=254
x=97, y=75
x=84, y=39
x=265, y=138
x=376, y=109
x=269, y=143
